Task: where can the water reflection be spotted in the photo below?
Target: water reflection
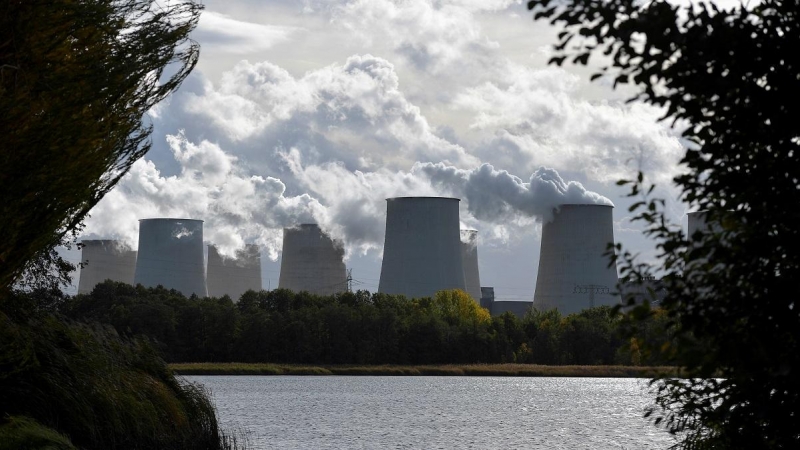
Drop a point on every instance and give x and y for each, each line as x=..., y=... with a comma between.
x=436, y=412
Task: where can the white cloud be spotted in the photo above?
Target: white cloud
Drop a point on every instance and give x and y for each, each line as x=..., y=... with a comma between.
x=536, y=120
x=353, y=112
x=222, y=33
x=319, y=130
x=235, y=206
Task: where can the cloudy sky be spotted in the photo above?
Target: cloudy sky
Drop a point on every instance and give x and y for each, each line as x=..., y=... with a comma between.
x=317, y=111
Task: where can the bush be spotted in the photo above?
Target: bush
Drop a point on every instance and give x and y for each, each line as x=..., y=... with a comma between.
x=98, y=390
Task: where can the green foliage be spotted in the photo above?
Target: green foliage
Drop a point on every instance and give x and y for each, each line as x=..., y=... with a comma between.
x=76, y=78
x=48, y=271
x=24, y=432
x=353, y=328
x=729, y=79
x=496, y=370
x=103, y=392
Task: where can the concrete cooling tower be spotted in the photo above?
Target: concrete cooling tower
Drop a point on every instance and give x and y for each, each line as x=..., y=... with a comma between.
x=233, y=276
x=469, y=257
x=105, y=260
x=573, y=272
x=422, y=251
x=312, y=261
x=171, y=255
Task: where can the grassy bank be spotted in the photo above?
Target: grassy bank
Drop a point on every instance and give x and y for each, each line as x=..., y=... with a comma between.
x=502, y=370
x=67, y=385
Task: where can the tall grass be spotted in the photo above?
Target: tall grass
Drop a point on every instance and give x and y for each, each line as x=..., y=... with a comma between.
x=510, y=370
x=98, y=391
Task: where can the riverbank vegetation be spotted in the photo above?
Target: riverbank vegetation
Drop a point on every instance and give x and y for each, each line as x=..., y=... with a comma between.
x=66, y=384
x=363, y=329
x=493, y=370
x=77, y=78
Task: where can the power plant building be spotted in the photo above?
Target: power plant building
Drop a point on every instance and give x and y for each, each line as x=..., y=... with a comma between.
x=312, y=261
x=696, y=222
x=518, y=308
x=233, y=276
x=105, y=260
x=171, y=255
x=469, y=257
x=422, y=250
x=574, y=273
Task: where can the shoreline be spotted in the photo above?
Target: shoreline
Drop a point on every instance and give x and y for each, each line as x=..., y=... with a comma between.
x=493, y=370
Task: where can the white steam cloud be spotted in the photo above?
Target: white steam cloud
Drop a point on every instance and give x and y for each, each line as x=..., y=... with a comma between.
x=236, y=208
x=350, y=205
x=498, y=196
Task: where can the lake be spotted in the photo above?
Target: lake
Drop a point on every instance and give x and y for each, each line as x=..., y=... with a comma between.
x=375, y=412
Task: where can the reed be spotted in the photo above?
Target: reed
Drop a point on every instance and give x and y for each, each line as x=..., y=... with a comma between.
x=82, y=385
x=502, y=370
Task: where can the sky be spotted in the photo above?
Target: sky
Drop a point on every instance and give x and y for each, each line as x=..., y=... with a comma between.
x=317, y=111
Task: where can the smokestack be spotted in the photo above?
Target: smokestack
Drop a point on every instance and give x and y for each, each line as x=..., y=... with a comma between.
x=106, y=260
x=233, y=276
x=312, y=261
x=573, y=272
x=422, y=251
x=469, y=257
x=171, y=255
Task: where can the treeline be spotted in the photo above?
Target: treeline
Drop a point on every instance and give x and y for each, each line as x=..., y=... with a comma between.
x=361, y=328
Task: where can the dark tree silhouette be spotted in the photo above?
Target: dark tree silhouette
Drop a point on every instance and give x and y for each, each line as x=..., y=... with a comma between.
x=730, y=78
x=76, y=78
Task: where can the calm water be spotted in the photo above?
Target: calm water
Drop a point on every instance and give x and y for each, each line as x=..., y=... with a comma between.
x=435, y=412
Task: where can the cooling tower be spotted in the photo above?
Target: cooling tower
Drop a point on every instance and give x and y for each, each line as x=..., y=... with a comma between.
x=233, y=276
x=312, y=262
x=171, y=255
x=573, y=272
x=422, y=251
x=105, y=260
x=469, y=257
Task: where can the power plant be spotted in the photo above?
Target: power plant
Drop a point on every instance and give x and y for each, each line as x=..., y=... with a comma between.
x=469, y=257
x=422, y=248
x=424, y=252
x=574, y=273
x=105, y=260
x=233, y=276
x=171, y=255
x=312, y=261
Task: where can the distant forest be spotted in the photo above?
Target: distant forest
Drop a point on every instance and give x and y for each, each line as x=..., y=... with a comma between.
x=281, y=326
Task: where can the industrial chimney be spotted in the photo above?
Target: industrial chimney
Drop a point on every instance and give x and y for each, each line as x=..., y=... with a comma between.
x=105, y=260
x=312, y=261
x=469, y=257
x=422, y=251
x=233, y=276
x=574, y=273
x=171, y=255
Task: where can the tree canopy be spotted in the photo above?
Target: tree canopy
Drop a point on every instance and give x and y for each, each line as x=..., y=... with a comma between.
x=282, y=326
x=76, y=79
x=730, y=80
